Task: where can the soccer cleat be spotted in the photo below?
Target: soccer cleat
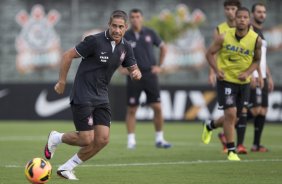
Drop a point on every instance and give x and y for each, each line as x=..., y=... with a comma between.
x=233, y=157
x=241, y=149
x=163, y=144
x=69, y=175
x=131, y=145
x=260, y=148
x=222, y=139
x=50, y=146
x=206, y=135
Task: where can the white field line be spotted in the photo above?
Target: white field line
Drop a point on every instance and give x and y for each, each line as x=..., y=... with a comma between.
x=163, y=163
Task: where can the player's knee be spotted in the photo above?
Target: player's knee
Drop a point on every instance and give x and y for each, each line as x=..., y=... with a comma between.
x=131, y=110
x=157, y=108
x=231, y=114
x=102, y=141
x=86, y=141
x=255, y=111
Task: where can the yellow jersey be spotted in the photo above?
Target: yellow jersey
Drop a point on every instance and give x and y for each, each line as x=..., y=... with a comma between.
x=223, y=27
x=236, y=56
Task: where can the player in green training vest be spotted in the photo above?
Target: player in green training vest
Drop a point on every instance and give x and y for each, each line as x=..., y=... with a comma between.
x=230, y=8
x=238, y=55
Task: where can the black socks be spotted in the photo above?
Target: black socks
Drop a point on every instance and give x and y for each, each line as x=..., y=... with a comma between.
x=231, y=147
x=241, y=129
x=210, y=126
x=259, y=124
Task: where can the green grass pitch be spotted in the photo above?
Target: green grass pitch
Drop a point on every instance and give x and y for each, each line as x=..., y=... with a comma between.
x=188, y=162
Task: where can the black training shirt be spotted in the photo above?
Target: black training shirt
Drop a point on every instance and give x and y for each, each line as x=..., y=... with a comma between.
x=142, y=44
x=100, y=58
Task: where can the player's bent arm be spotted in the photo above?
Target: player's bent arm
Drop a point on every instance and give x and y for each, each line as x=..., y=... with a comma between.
x=212, y=51
x=270, y=80
x=134, y=72
x=257, y=57
x=163, y=52
x=67, y=58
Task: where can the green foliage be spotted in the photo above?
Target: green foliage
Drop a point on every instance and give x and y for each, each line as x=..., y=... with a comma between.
x=172, y=24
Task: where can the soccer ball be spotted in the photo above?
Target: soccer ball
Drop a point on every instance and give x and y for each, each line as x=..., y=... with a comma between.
x=38, y=171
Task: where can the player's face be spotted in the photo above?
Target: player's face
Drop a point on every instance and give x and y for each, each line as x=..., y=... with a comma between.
x=117, y=29
x=229, y=12
x=242, y=20
x=259, y=14
x=136, y=20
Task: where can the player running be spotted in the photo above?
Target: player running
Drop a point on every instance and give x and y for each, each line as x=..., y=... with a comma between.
x=230, y=8
x=143, y=40
x=101, y=55
x=259, y=97
x=239, y=52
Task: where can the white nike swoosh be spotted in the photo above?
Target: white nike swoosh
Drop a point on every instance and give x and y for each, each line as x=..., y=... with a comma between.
x=44, y=108
x=4, y=92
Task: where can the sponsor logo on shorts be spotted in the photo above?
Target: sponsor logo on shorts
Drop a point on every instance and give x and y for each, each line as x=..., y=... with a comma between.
x=132, y=100
x=229, y=100
x=90, y=121
x=228, y=91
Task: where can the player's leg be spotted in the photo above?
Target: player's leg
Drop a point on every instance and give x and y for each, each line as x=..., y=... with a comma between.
x=229, y=129
x=209, y=125
x=152, y=90
x=101, y=133
x=133, y=93
x=259, y=121
x=82, y=116
x=242, y=111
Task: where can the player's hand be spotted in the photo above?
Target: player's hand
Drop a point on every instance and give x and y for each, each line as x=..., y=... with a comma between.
x=220, y=75
x=253, y=83
x=212, y=79
x=243, y=76
x=60, y=87
x=260, y=82
x=156, y=69
x=270, y=84
x=136, y=74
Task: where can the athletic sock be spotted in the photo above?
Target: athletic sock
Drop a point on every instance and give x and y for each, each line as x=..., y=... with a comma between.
x=211, y=126
x=131, y=137
x=71, y=163
x=159, y=136
x=259, y=124
x=58, y=137
x=231, y=147
x=241, y=129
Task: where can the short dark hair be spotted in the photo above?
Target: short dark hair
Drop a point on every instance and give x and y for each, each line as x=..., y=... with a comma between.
x=243, y=9
x=118, y=14
x=232, y=3
x=135, y=10
x=255, y=6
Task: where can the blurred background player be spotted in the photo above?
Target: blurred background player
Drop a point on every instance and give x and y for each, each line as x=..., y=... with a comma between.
x=259, y=97
x=239, y=52
x=143, y=40
x=101, y=54
x=230, y=8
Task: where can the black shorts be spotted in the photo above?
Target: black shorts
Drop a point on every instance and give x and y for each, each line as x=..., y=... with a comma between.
x=259, y=97
x=233, y=95
x=85, y=117
x=149, y=84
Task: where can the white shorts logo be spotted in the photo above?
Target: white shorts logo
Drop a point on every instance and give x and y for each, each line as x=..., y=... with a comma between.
x=90, y=121
x=228, y=91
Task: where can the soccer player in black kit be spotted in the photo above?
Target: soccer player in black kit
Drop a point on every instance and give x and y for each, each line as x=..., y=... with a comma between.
x=143, y=40
x=101, y=55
